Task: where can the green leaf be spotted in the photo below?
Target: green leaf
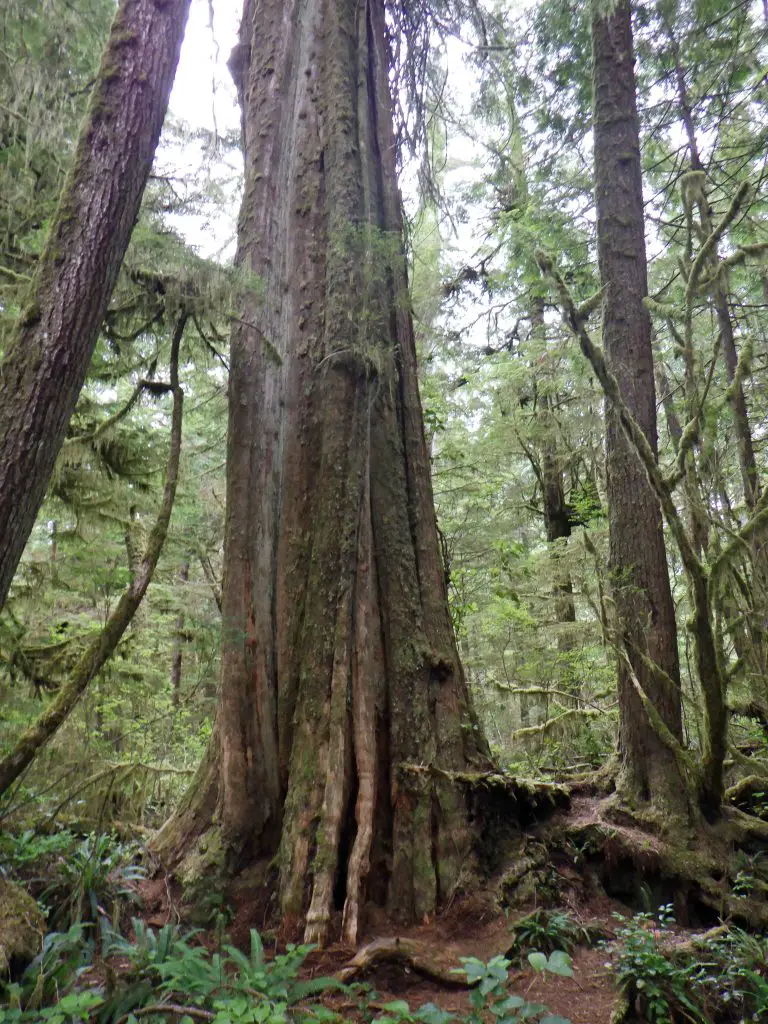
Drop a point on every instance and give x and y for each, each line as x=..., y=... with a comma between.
x=398, y=1007
x=560, y=963
x=538, y=961
x=512, y=1002
x=431, y=1014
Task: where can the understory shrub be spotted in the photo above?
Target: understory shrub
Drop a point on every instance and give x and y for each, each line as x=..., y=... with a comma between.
x=160, y=976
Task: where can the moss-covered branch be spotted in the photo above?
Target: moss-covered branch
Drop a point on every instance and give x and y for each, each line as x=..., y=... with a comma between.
x=709, y=660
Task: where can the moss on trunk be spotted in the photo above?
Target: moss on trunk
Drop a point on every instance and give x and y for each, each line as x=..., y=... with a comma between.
x=646, y=632
x=339, y=663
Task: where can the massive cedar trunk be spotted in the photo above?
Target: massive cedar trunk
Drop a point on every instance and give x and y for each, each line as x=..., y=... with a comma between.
x=343, y=708
x=646, y=629
x=43, y=370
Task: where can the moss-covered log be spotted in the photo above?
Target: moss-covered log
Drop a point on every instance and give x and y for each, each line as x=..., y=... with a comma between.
x=22, y=927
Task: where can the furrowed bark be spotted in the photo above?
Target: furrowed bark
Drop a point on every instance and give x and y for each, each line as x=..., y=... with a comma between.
x=44, y=367
x=645, y=613
x=339, y=662
x=101, y=649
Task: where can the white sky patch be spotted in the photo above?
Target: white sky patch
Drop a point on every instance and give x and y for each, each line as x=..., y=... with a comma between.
x=203, y=93
x=204, y=98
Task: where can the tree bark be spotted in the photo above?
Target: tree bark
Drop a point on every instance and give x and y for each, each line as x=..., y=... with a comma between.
x=48, y=356
x=340, y=672
x=177, y=657
x=100, y=650
x=646, y=628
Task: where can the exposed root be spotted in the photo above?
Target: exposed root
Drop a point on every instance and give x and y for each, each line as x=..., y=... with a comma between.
x=746, y=788
x=407, y=953
x=706, y=870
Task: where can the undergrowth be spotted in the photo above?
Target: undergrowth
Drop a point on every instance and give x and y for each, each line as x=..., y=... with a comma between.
x=76, y=879
x=94, y=970
x=165, y=975
x=723, y=980
x=546, y=931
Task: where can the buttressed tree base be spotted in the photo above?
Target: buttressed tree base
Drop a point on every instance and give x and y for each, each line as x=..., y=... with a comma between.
x=343, y=707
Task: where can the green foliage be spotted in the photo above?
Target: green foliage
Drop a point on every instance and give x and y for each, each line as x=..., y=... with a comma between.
x=94, y=882
x=83, y=881
x=50, y=976
x=165, y=969
x=490, y=998
x=731, y=980
x=723, y=979
x=660, y=987
x=30, y=849
x=149, y=949
x=490, y=993
x=547, y=931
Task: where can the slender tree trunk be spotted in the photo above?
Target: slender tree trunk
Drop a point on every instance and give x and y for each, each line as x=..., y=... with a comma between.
x=747, y=462
x=756, y=652
x=698, y=523
x=48, y=356
x=100, y=650
x=343, y=706
x=644, y=610
x=177, y=657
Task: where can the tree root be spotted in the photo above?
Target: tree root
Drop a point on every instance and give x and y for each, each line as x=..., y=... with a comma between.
x=407, y=953
x=693, y=866
x=745, y=788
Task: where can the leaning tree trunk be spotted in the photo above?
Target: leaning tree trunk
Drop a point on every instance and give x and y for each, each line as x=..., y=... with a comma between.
x=50, y=350
x=343, y=707
x=98, y=652
x=645, y=617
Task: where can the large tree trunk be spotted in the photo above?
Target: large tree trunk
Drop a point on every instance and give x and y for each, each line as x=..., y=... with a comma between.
x=341, y=687
x=646, y=629
x=48, y=356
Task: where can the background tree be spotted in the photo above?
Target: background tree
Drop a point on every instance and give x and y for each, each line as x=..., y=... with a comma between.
x=645, y=614
x=46, y=359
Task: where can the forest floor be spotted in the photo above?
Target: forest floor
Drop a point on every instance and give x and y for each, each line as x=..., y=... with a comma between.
x=474, y=927
x=586, y=998
x=467, y=929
